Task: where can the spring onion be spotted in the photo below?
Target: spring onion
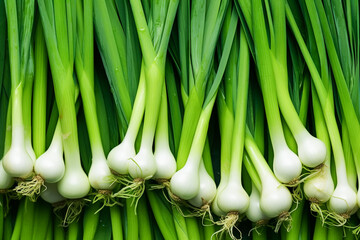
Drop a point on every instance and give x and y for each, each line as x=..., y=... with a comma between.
x=17, y=162
x=311, y=150
x=100, y=177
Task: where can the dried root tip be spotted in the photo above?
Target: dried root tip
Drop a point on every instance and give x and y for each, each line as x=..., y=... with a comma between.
x=105, y=192
x=228, y=224
x=161, y=184
x=69, y=211
x=258, y=225
x=4, y=191
x=107, y=199
x=134, y=189
x=59, y=205
x=19, y=179
x=319, y=167
x=293, y=183
x=32, y=188
x=115, y=173
x=174, y=197
x=314, y=200
x=285, y=220
x=262, y=222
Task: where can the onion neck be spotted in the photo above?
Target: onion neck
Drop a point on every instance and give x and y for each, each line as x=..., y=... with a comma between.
x=138, y=109
x=162, y=134
x=56, y=142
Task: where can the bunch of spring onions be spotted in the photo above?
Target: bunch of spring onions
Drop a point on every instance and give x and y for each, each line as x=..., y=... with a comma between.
x=202, y=119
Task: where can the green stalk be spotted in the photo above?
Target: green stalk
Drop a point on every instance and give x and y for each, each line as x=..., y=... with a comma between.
x=259, y=131
x=132, y=232
x=252, y=172
x=27, y=100
x=255, y=155
x=208, y=229
x=154, y=66
x=27, y=220
x=8, y=227
x=40, y=88
x=53, y=121
x=193, y=109
x=238, y=137
x=73, y=232
x=348, y=154
x=297, y=221
x=226, y=123
x=116, y=225
x=111, y=41
x=5, y=105
x=59, y=231
x=263, y=60
x=3, y=30
x=91, y=220
x=16, y=231
x=343, y=39
x=196, y=88
x=207, y=158
x=144, y=221
x=8, y=126
x=84, y=63
x=320, y=231
x=163, y=215
x=192, y=228
x=43, y=223
x=246, y=10
x=259, y=233
x=174, y=105
x=335, y=233
x=49, y=232
x=279, y=60
x=162, y=128
x=349, y=235
x=199, y=139
x=305, y=230
x=180, y=224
